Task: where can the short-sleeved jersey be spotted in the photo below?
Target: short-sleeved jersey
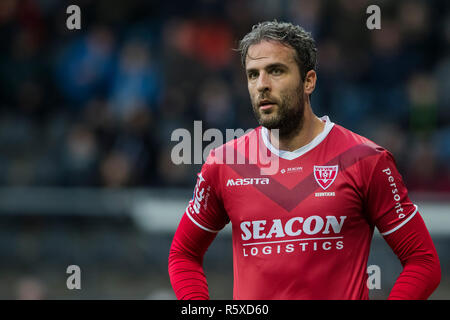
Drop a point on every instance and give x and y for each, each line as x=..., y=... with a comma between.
x=302, y=221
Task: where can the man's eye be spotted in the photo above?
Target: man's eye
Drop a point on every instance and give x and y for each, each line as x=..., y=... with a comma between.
x=277, y=72
x=252, y=75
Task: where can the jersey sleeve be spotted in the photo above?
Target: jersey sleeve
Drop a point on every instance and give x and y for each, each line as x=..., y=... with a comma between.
x=387, y=202
x=421, y=273
x=206, y=208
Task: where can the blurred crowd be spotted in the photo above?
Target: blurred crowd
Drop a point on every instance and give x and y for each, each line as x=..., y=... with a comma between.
x=97, y=106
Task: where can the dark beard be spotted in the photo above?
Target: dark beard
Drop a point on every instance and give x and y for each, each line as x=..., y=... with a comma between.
x=289, y=117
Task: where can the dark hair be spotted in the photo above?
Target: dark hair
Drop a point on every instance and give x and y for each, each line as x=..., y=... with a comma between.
x=285, y=33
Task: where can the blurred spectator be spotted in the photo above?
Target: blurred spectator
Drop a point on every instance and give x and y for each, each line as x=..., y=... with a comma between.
x=422, y=171
x=85, y=65
x=423, y=104
x=215, y=104
x=136, y=141
x=175, y=175
x=79, y=157
x=115, y=170
x=415, y=28
x=306, y=14
x=136, y=81
x=209, y=41
x=441, y=74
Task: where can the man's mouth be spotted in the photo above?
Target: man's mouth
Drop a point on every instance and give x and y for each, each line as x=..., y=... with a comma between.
x=266, y=104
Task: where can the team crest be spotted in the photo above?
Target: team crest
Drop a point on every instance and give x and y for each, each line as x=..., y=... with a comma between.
x=325, y=175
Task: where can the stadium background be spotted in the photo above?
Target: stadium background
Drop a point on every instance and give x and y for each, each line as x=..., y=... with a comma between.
x=86, y=118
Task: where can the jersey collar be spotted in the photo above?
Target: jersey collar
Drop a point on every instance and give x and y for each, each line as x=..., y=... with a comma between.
x=291, y=155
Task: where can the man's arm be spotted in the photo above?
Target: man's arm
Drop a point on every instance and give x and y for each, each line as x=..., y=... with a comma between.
x=421, y=268
x=186, y=260
x=401, y=225
x=205, y=216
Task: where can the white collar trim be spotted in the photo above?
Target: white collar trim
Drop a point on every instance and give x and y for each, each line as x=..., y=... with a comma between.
x=291, y=155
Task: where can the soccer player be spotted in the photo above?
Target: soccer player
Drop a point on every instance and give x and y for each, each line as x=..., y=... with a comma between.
x=304, y=230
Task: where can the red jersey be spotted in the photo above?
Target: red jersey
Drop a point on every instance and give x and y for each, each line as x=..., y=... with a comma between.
x=304, y=231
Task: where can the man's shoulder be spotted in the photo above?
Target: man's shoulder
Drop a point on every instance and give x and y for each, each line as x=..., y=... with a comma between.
x=349, y=138
x=356, y=148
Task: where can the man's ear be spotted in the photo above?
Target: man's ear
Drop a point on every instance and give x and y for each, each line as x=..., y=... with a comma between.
x=310, y=82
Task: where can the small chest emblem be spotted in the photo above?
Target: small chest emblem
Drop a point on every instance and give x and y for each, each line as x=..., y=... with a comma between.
x=325, y=175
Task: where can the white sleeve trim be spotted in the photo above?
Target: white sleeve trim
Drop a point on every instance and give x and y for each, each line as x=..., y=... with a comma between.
x=199, y=225
x=401, y=224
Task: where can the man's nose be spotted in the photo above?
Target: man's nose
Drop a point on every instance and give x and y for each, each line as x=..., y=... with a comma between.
x=263, y=82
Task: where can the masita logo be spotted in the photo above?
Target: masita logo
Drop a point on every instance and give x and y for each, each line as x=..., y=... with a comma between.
x=246, y=181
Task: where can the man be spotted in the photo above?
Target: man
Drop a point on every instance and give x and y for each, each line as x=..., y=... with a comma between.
x=304, y=231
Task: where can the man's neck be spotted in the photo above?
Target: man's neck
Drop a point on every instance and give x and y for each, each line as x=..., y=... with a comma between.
x=312, y=127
